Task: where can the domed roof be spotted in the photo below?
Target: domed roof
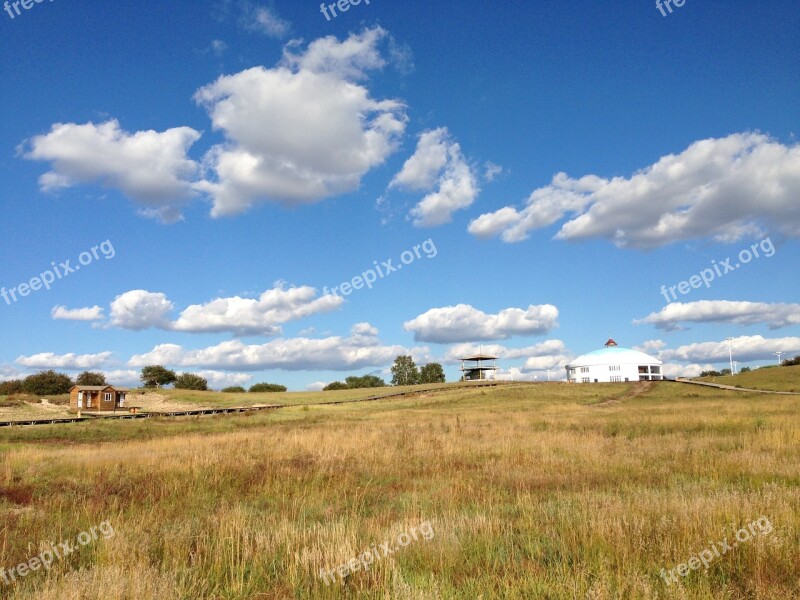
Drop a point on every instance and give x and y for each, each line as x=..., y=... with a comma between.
x=614, y=355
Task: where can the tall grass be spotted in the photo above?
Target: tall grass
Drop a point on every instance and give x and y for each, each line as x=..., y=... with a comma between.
x=547, y=491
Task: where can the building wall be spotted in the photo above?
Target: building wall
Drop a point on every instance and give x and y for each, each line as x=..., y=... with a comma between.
x=615, y=373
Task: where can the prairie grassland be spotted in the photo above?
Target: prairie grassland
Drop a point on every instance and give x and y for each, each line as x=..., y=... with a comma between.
x=779, y=379
x=533, y=491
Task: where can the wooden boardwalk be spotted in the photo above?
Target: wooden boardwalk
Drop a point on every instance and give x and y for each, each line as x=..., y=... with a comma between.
x=200, y=412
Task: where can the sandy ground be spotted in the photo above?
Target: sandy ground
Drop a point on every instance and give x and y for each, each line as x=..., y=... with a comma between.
x=149, y=401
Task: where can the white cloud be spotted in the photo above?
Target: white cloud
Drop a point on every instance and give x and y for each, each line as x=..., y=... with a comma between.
x=438, y=163
x=218, y=47
x=263, y=20
x=317, y=386
x=774, y=316
x=542, y=349
x=464, y=323
x=745, y=349
x=491, y=171
x=123, y=377
x=651, y=347
x=726, y=188
x=671, y=371
x=71, y=361
x=301, y=132
x=220, y=379
x=149, y=167
x=94, y=313
x=245, y=316
x=140, y=309
x=337, y=353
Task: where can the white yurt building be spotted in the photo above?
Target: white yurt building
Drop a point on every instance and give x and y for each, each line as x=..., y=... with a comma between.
x=614, y=364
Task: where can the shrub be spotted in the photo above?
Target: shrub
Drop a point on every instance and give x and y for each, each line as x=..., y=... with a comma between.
x=267, y=387
x=10, y=387
x=234, y=389
x=335, y=385
x=190, y=381
x=47, y=383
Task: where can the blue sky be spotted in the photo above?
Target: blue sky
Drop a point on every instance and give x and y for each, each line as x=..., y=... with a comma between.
x=555, y=165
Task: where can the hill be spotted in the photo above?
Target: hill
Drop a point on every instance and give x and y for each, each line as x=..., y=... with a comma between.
x=779, y=379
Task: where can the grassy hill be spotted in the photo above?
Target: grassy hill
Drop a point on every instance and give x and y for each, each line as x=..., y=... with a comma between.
x=780, y=379
x=529, y=491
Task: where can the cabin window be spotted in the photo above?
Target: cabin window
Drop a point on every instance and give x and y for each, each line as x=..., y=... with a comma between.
x=107, y=397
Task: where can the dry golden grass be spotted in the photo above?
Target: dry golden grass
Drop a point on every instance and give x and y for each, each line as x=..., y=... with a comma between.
x=545, y=491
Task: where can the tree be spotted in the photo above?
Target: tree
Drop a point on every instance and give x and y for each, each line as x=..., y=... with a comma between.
x=745, y=370
x=267, y=387
x=234, y=389
x=404, y=371
x=90, y=378
x=725, y=372
x=47, y=383
x=712, y=373
x=335, y=385
x=191, y=381
x=367, y=381
x=791, y=362
x=431, y=373
x=7, y=388
x=156, y=376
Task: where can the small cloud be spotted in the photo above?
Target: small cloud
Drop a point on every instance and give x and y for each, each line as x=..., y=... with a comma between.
x=263, y=20
x=491, y=171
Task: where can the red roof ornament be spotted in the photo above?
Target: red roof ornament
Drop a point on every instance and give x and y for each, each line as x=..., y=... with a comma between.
x=610, y=343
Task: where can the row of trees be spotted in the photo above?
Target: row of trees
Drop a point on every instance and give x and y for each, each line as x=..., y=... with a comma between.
x=49, y=383
x=353, y=382
x=256, y=388
x=405, y=372
x=789, y=362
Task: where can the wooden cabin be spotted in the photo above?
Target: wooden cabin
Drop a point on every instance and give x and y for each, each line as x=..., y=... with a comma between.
x=97, y=398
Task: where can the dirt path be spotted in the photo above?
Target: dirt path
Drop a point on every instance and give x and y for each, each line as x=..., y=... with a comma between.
x=640, y=388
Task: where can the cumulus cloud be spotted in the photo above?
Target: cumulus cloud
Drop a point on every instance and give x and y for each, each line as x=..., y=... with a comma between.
x=337, y=353
x=438, y=167
x=141, y=309
x=462, y=323
x=745, y=349
x=149, y=167
x=220, y=379
x=71, y=361
x=491, y=171
x=283, y=144
x=245, y=316
x=264, y=20
x=774, y=316
x=547, y=348
x=94, y=313
x=725, y=188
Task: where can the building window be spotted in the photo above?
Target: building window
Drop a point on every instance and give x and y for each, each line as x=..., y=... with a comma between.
x=614, y=368
x=616, y=379
x=107, y=397
x=644, y=377
x=585, y=380
x=643, y=369
x=656, y=370
x=584, y=369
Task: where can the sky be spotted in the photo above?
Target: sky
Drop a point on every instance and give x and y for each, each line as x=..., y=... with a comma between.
x=294, y=193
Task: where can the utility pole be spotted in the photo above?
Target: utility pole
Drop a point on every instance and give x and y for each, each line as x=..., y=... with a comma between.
x=779, y=354
x=730, y=352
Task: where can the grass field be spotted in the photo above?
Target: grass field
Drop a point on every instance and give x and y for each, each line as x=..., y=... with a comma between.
x=531, y=491
x=781, y=379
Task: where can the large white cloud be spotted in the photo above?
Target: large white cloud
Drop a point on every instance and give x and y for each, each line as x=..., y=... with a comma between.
x=70, y=361
x=91, y=313
x=438, y=167
x=245, y=316
x=724, y=311
x=140, y=309
x=744, y=348
x=726, y=188
x=543, y=349
x=149, y=167
x=360, y=349
x=464, y=323
x=302, y=131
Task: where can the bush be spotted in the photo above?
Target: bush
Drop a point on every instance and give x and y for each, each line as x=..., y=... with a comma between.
x=367, y=381
x=791, y=362
x=711, y=373
x=89, y=378
x=190, y=381
x=335, y=385
x=267, y=387
x=8, y=388
x=47, y=383
x=234, y=389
